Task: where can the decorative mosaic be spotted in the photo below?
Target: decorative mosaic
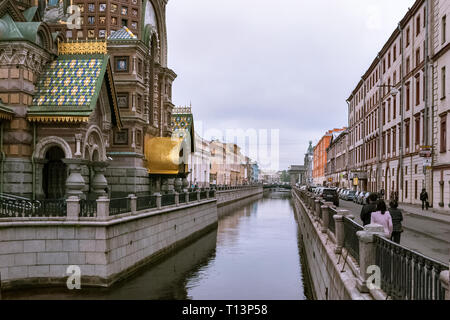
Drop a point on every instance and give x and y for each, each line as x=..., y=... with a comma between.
x=69, y=81
x=123, y=34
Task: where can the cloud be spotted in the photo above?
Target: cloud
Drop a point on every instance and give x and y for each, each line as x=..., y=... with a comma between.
x=287, y=64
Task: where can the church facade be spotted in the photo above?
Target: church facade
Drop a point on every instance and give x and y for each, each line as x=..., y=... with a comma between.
x=86, y=115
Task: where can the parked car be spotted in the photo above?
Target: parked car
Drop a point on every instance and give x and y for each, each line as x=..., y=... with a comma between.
x=343, y=194
x=355, y=198
x=330, y=195
x=365, y=198
x=361, y=196
x=350, y=195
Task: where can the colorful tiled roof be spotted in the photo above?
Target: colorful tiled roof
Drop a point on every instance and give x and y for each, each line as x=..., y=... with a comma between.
x=68, y=89
x=70, y=81
x=183, y=126
x=123, y=34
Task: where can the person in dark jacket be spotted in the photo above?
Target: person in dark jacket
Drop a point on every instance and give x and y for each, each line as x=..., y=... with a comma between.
x=397, y=218
x=366, y=211
x=424, y=199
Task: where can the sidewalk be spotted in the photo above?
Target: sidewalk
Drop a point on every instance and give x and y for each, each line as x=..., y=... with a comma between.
x=431, y=214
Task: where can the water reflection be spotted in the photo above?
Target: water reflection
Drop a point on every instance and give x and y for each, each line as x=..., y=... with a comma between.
x=254, y=254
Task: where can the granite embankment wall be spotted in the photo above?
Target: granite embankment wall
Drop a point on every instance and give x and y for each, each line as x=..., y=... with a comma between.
x=227, y=197
x=38, y=251
x=330, y=279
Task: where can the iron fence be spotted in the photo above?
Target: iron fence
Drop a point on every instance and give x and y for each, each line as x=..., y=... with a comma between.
x=88, y=208
x=182, y=197
x=119, y=206
x=211, y=193
x=19, y=208
x=192, y=196
x=167, y=200
x=145, y=202
x=408, y=275
x=203, y=195
x=351, y=240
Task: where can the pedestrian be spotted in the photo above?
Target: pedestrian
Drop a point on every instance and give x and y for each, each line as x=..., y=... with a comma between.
x=368, y=208
x=383, y=218
x=424, y=199
x=397, y=218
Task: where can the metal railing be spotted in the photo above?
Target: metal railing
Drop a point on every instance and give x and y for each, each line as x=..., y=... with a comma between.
x=167, y=200
x=408, y=275
x=203, y=195
x=182, y=197
x=192, y=196
x=88, y=208
x=211, y=193
x=145, y=202
x=119, y=206
x=351, y=240
x=19, y=208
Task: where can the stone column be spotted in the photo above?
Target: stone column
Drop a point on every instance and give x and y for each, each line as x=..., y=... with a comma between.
x=325, y=217
x=367, y=253
x=198, y=195
x=316, y=209
x=158, y=200
x=177, y=199
x=133, y=203
x=103, y=208
x=207, y=193
x=73, y=208
x=339, y=226
x=75, y=182
x=187, y=197
x=445, y=280
x=99, y=182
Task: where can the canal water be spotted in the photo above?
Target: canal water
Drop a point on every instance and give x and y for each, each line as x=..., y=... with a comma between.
x=255, y=254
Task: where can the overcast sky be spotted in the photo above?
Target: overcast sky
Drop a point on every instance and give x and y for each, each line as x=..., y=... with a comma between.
x=286, y=65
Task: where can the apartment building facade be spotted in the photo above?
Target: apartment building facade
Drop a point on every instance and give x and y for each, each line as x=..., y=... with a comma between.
x=320, y=157
x=398, y=111
x=337, y=164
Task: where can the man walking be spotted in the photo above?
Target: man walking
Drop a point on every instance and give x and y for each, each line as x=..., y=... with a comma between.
x=366, y=211
x=424, y=199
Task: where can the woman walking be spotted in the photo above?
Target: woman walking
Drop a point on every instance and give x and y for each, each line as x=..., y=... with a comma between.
x=397, y=218
x=383, y=218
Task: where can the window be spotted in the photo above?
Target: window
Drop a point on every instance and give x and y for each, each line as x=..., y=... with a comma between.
x=417, y=57
x=389, y=60
x=407, y=96
x=444, y=29
x=418, y=25
x=443, y=80
x=417, y=130
x=139, y=70
x=138, y=138
x=417, y=90
x=394, y=140
x=395, y=52
x=139, y=103
x=407, y=135
x=124, y=23
x=121, y=64
x=122, y=100
x=407, y=37
x=408, y=65
x=406, y=189
x=394, y=108
x=415, y=189
x=443, y=134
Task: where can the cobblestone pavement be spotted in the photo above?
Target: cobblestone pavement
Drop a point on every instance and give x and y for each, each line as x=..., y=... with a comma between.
x=427, y=236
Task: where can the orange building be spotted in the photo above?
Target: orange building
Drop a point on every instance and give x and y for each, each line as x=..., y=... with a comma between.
x=320, y=156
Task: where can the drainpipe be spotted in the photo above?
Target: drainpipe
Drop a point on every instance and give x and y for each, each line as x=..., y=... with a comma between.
x=402, y=107
x=380, y=124
x=33, y=163
x=427, y=107
x=3, y=157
